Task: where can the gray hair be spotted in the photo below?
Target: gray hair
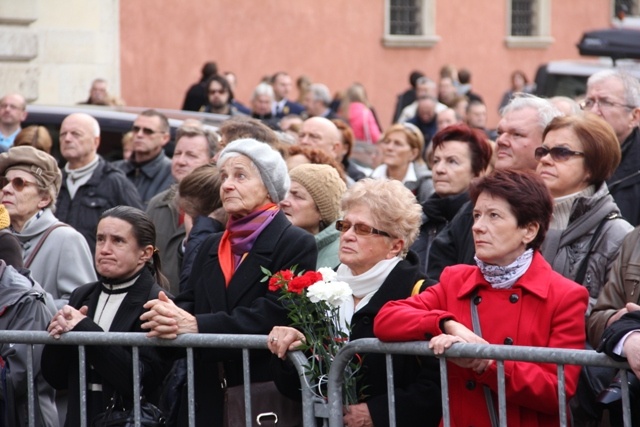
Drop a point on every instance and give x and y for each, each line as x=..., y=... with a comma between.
x=320, y=92
x=263, y=89
x=544, y=108
x=213, y=139
x=629, y=83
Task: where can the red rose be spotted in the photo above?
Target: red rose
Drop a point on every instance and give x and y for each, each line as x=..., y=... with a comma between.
x=274, y=283
x=286, y=275
x=298, y=284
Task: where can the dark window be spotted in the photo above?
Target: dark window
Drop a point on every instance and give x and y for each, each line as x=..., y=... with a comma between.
x=522, y=18
x=405, y=17
x=626, y=7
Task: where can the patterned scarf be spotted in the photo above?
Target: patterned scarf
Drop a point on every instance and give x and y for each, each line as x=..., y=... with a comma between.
x=504, y=277
x=240, y=235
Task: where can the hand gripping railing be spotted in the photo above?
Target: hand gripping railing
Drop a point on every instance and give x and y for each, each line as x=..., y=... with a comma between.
x=500, y=353
x=135, y=340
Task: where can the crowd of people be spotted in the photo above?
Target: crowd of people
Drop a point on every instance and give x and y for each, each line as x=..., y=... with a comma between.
x=444, y=229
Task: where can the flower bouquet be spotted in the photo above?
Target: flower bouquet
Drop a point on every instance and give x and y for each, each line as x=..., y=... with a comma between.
x=313, y=300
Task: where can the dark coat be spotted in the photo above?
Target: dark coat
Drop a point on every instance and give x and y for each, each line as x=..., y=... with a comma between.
x=453, y=245
x=107, y=187
x=246, y=306
x=290, y=107
x=624, y=185
x=616, y=331
x=196, y=96
x=112, y=365
x=437, y=213
x=149, y=178
x=416, y=380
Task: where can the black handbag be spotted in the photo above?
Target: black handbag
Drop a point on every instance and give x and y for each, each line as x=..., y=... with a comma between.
x=117, y=415
x=268, y=407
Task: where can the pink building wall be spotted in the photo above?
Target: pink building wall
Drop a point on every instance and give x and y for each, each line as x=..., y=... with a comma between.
x=164, y=44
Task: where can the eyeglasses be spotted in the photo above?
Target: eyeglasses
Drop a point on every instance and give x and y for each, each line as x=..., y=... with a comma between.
x=214, y=91
x=360, y=229
x=558, y=154
x=17, y=183
x=588, y=104
x=145, y=130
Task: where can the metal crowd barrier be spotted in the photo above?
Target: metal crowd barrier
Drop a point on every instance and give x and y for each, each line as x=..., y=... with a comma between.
x=500, y=353
x=311, y=405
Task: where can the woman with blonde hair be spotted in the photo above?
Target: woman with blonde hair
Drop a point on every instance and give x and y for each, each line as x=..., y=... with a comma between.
x=400, y=147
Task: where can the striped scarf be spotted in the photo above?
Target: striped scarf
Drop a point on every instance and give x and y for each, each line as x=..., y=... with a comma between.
x=239, y=237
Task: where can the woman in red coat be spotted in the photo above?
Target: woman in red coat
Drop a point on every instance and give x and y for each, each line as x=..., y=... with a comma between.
x=520, y=300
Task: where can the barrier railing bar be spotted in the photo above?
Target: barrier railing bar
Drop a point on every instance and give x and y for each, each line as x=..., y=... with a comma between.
x=30, y=385
x=135, y=355
x=191, y=392
x=444, y=389
x=299, y=360
x=247, y=342
x=391, y=395
x=502, y=395
x=82, y=367
x=626, y=406
x=562, y=396
x=246, y=377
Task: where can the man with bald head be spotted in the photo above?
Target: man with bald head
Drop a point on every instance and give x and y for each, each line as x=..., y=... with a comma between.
x=321, y=133
x=90, y=185
x=13, y=111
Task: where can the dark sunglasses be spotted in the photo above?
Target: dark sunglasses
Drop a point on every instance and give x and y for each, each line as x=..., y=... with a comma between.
x=17, y=183
x=145, y=130
x=558, y=154
x=360, y=229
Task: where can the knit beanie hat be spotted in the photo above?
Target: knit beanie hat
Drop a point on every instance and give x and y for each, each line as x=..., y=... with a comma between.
x=5, y=221
x=273, y=169
x=325, y=187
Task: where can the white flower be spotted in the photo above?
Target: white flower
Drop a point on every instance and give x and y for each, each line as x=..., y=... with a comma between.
x=328, y=275
x=333, y=293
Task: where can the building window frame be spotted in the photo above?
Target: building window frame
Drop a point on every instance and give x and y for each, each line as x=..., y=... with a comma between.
x=427, y=39
x=632, y=17
x=542, y=25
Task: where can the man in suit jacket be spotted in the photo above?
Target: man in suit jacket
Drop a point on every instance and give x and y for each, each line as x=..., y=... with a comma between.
x=282, y=106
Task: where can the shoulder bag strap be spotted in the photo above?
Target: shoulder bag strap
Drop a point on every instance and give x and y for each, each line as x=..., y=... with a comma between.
x=582, y=271
x=35, y=251
x=475, y=321
x=416, y=287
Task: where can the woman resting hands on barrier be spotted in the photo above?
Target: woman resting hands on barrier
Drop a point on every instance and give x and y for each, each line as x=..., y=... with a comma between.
x=224, y=293
x=129, y=269
x=516, y=298
x=381, y=219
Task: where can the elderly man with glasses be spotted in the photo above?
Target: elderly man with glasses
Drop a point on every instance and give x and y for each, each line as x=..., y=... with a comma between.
x=149, y=168
x=615, y=96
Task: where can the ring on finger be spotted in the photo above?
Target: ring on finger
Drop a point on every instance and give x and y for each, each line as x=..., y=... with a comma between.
x=274, y=339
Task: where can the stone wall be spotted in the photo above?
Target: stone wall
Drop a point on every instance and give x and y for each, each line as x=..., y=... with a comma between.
x=51, y=50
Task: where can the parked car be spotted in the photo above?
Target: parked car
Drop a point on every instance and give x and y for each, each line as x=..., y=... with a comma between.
x=614, y=46
x=114, y=123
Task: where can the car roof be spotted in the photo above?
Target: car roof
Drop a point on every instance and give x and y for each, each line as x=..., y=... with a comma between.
x=116, y=116
x=587, y=67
